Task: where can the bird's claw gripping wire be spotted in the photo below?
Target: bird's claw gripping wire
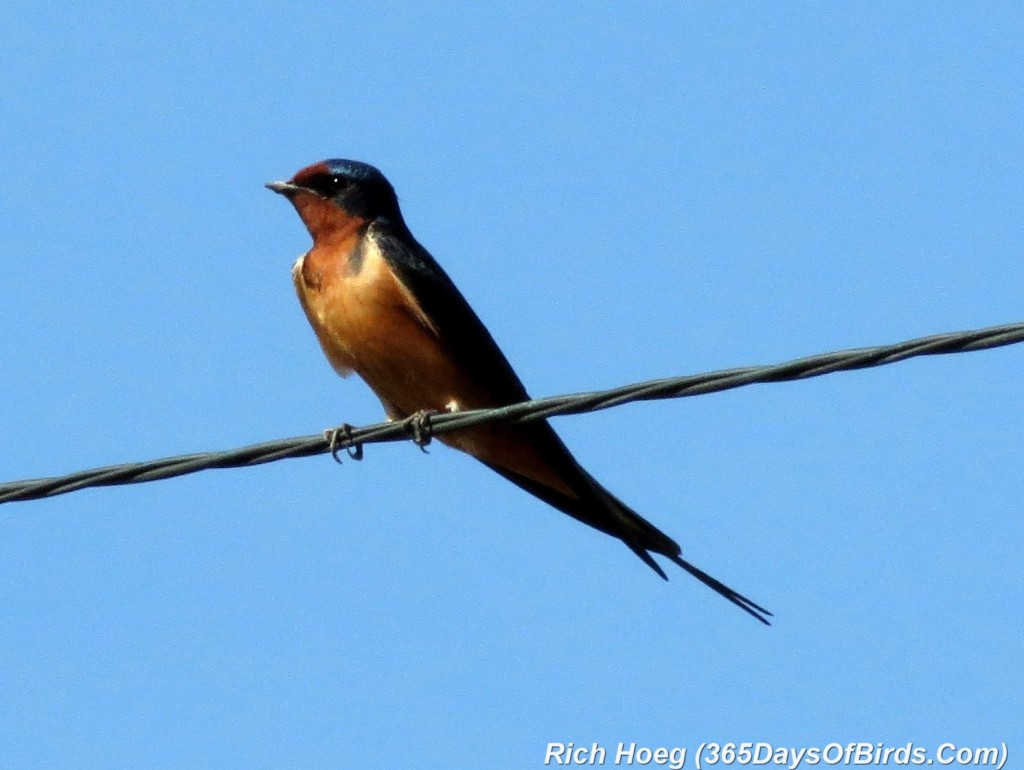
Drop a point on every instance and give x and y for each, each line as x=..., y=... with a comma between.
x=418, y=425
x=334, y=437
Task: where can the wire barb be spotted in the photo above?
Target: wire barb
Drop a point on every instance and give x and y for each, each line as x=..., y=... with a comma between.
x=429, y=425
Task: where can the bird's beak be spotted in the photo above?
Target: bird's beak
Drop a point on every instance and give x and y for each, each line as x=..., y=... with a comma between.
x=287, y=189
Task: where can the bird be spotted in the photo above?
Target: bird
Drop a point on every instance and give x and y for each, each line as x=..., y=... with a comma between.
x=382, y=307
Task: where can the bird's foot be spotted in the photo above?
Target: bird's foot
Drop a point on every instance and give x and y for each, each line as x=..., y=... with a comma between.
x=418, y=425
x=334, y=438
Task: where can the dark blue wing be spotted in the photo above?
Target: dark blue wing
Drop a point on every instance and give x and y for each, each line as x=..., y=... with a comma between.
x=462, y=333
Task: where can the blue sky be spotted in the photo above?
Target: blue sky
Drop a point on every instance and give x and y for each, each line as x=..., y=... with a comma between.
x=623, y=192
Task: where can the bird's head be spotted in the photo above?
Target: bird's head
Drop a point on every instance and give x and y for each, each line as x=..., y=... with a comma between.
x=338, y=189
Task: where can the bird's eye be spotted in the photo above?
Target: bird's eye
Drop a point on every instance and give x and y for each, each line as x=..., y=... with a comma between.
x=328, y=185
x=339, y=183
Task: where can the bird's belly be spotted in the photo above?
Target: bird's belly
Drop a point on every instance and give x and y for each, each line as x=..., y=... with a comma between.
x=365, y=324
x=409, y=371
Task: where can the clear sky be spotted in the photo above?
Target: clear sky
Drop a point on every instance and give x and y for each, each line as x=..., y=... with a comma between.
x=623, y=192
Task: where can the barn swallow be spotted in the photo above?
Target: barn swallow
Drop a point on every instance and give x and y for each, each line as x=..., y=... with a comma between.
x=382, y=307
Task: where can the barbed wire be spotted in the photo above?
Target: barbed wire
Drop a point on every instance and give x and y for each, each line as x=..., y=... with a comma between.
x=423, y=426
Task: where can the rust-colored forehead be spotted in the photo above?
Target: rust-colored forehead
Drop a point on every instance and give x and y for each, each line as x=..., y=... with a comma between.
x=314, y=170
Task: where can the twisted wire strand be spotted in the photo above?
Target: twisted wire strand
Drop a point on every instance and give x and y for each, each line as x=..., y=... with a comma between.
x=536, y=409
